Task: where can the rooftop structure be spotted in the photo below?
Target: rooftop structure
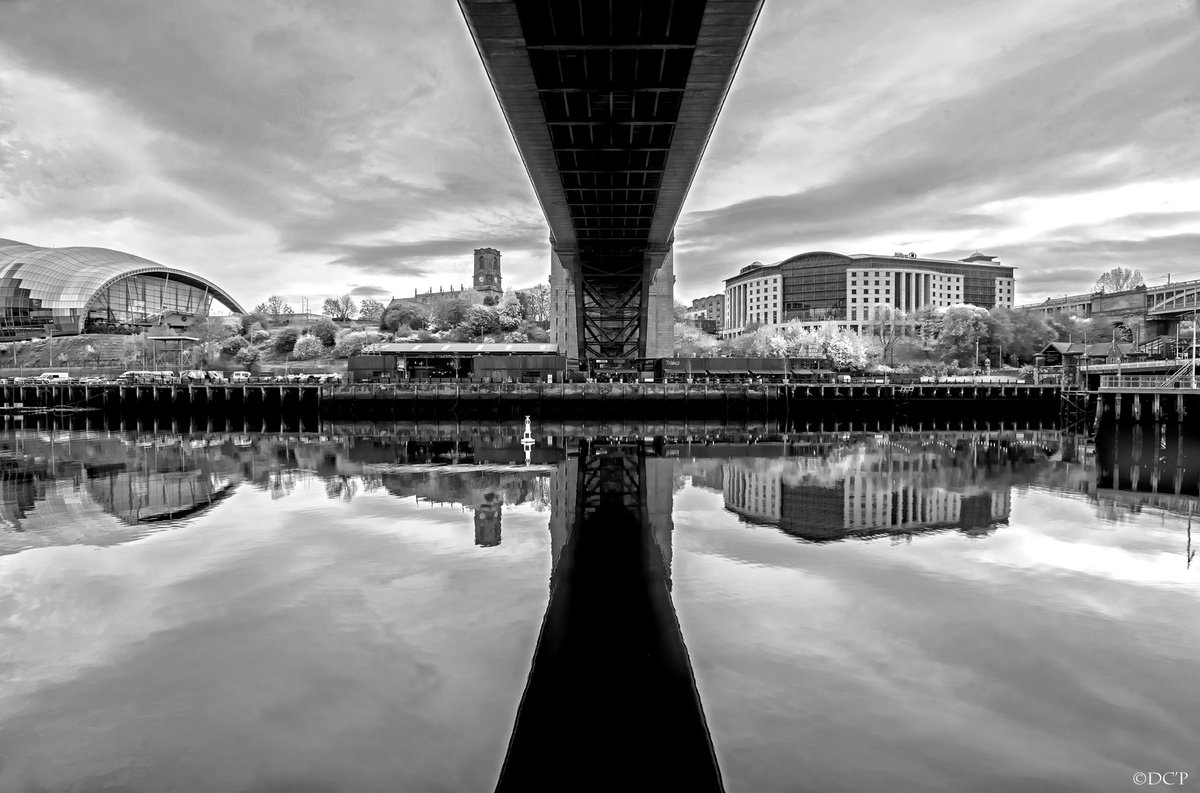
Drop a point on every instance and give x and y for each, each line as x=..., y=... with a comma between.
x=66, y=291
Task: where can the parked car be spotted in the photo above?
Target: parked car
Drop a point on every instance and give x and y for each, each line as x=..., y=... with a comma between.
x=53, y=377
x=240, y=377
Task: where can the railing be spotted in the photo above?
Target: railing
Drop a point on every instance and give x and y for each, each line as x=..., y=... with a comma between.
x=1146, y=382
x=1180, y=373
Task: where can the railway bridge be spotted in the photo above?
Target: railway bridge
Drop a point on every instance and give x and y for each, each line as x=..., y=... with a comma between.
x=611, y=104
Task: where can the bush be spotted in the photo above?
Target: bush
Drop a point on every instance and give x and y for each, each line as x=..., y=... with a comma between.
x=259, y=336
x=325, y=330
x=233, y=345
x=410, y=317
x=285, y=340
x=307, y=347
x=352, y=342
x=247, y=356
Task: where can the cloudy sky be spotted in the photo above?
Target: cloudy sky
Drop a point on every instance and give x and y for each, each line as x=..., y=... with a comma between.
x=308, y=148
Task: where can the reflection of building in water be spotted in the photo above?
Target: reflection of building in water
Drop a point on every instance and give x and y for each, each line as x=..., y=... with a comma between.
x=485, y=492
x=487, y=521
x=752, y=488
x=66, y=489
x=861, y=492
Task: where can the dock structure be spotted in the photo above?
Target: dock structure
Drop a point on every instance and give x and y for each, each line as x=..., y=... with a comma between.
x=1148, y=438
x=285, y=402
x=802, y=406
x=880, y=405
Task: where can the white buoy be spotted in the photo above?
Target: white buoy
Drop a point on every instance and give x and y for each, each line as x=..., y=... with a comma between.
x=527, y=441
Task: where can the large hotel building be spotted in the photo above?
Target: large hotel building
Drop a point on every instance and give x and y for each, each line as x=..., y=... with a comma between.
x=820, y=289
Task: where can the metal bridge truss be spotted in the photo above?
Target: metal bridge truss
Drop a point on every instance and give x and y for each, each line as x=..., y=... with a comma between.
x=1179, y=299
x=611, y=298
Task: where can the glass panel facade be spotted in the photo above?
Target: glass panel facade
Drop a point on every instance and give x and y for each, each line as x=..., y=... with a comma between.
x=65, y=288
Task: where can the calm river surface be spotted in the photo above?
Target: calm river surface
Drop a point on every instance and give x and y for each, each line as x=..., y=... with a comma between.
x=360, y=610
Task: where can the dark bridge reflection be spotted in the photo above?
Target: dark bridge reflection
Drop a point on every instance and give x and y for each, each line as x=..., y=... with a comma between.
x=611, y=702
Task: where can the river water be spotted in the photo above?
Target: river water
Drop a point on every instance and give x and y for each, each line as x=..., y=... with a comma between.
x=370, y=608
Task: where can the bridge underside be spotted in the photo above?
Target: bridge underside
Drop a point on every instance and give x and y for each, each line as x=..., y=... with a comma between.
x=611, y=103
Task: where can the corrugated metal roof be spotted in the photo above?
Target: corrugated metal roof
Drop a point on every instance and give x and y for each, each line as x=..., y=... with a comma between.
x=515, y=348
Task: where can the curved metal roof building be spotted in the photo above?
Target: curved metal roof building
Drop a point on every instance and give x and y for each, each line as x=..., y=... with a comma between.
x=76, y=289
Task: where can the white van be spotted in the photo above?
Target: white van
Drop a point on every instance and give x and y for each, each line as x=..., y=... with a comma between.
x=53, y=377
x=240, y=377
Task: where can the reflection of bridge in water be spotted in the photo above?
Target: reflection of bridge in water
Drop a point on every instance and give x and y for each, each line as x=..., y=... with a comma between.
x=611, y=697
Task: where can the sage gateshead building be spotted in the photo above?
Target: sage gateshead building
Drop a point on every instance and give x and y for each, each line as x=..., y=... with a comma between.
x=68, y=291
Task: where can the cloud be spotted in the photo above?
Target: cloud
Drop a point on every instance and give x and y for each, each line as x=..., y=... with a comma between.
x=369, y=291
x=319, y=144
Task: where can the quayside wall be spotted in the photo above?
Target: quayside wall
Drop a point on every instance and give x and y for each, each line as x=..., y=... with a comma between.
x=252, y=404
x=801, y=407
x=884, y=406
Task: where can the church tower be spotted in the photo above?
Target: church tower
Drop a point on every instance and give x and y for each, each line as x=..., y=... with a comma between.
x=487, y=272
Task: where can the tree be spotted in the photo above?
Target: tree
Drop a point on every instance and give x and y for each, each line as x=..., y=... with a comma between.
x=233, y=345
x=963, y=326
x=352, y=342
x=204, y=354
x=681, y=311
x=134, y=349
x=886, y=324
x=1068, y=327
x=325, y=330
x=307, y=347
x=449, y=313
x=273, y=305
x=406, y=316
x=481, y=320
x=247, y=356
x=285, y=340
x=370, y=310
x=1119, y=279
x=510, y=312
x=1031, y=332
x=691, y=341
x=927, y=327
x=535, y=302
x=340, y=308
x=534, y=331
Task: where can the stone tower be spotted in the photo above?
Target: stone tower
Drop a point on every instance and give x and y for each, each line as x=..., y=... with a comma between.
x=487, y=272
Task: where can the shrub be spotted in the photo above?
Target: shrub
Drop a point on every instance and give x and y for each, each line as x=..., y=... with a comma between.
x=325, y=330
x=247, y=356
x=352, y=342
x=307, y=347
x=259, y=336
x=233, y=345
x=285, y=340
